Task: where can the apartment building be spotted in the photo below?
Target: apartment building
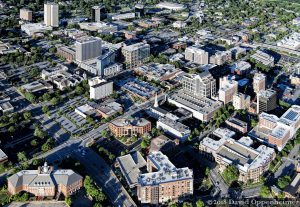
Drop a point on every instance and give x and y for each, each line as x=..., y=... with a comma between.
x=164, y=182
x=241, y=101
x=136, y=54
x=45, y=182
x=259, y=82
x=129, y=127
x=250, y=162
x=100, y=88
x=196, y=55
x=266, y=100
x=88, y=48
x=67, y=53
x=51, y=14
x=26, y=14
x=227, y=89
x=202, y=85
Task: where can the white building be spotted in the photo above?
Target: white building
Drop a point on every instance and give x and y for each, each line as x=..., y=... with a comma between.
x=196, y=55
x=241, y=101
x=100, y=88
x=51, y=14
x=32, y=28
x=174, y=128
x=291, y=42
x=179, y=24
x=171, y=6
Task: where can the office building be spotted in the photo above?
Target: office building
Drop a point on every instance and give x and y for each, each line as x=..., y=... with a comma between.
x=109, y=108
x=51, y=14
x=26, y=14
x=251, y=163
x=227, y=89
x=129, y=127
x=196, y=55
x=275, y=131
x=263, y=58
x=68, y=53
x=164, y=182
x=88, y=48
x=173, y=128
x=202, y=108
x=266, y=101
x=241, y=101
x=131, y=166
x=259, y=82
x=45, y=182
x=158, y=72
x=136, y=54
x=202, y=85
x=100, y=88
x=32, y=28
x=98, y=13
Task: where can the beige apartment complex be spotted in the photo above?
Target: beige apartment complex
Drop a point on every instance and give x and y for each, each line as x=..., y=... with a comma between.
x=227, y=89
x=250, y=162
x=163, y=182
x=241, y=101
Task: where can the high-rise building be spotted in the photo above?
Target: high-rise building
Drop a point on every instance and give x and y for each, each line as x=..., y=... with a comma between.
x=106, y=65
x=203, y=84
x=88, y=48
x=164, y=182
x=196, y=55
x=136, y=54
x=227, y=89
x=100, y=88
x=266, y=101
x=241, y=101
x=26, y=14
x=98, y=13
x=51, y=14
x=259, y=82
x=220, y=57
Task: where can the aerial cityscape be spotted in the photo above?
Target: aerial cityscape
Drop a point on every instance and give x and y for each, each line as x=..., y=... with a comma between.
x=176, y=103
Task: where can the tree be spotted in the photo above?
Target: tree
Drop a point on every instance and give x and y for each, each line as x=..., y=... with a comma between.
x=46, y=97
x=11, y=129
x=79, y=90
x=230, y=174
x=104, y=133
x=54, y=101
x=33, y=142
x=200, y=203
x=38, y=132
x=48, y=145
x=187, y=204
x=21, y=157
x=145, y=143
x=68, y=201
x=264, y=192
x=283, y=182
x=45, y=109
x=27, y=115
